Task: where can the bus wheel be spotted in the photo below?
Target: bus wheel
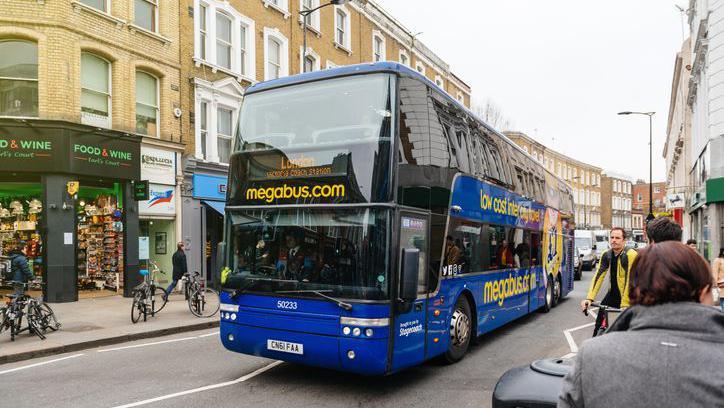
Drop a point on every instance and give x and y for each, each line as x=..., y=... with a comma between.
x=557, y=288
x=548, y=305
x=460, y=331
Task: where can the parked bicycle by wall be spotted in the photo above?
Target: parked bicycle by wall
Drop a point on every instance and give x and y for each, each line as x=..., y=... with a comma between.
x=203, y=301
x=148, y=298
x=38, y=314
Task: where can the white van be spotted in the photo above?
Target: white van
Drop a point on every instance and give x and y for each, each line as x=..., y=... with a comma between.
x=585, y=248
x=602, y=242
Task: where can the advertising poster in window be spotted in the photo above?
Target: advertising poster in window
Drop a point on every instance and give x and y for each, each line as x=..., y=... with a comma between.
x=161, y=201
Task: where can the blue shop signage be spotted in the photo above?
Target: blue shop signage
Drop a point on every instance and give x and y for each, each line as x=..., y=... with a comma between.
x=210, y=187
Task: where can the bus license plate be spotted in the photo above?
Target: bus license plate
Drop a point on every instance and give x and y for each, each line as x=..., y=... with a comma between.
x=285, y=346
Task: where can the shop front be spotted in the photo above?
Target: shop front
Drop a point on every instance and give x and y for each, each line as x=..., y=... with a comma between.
x=158, y=214
x=66, y=202
x=203, y=221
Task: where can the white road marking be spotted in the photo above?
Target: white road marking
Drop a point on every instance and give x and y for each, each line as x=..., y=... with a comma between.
x=147, y=344
x=40, y=364
x=205, y=388
x=159, y=342
x=571, y=343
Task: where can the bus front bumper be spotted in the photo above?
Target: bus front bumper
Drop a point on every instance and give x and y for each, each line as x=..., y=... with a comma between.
x=358, y=354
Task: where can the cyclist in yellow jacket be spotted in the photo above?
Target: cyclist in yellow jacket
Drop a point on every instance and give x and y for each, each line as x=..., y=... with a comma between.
x=617, y=261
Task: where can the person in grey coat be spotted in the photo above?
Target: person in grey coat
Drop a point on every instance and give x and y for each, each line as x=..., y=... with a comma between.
x=667, y=350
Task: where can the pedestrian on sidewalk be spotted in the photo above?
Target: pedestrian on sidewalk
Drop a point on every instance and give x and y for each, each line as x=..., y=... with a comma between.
x=664, y=351
x=179, y=267
x=663, y=229
x=717, y=270
x=19, y=267
x=691, y=243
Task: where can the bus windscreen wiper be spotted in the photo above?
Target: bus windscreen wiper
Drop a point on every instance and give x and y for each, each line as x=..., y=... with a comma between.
x=343, y=305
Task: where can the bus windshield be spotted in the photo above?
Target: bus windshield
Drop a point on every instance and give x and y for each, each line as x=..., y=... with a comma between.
x=297, y=140
x=341, y=253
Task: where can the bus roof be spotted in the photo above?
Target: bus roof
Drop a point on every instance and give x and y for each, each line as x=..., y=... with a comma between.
x=389, y=67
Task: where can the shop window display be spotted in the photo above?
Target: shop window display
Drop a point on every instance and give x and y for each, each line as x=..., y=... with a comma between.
x=100, y=246
x=20, y=218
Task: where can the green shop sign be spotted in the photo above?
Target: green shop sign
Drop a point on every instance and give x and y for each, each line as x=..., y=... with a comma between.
x=66, y=149
x=715, y=190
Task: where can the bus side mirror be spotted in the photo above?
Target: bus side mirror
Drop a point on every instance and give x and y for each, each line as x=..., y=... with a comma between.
x=410, y=275
x=593, y=247
x=220, y=256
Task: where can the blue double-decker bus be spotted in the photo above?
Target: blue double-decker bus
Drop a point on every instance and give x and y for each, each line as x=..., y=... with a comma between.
x=373, y=223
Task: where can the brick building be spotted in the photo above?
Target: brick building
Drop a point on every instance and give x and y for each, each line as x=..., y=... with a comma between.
x=88, y=93
x=585, y=179
x=640, y=203
x=616, y=201
x=228, y=45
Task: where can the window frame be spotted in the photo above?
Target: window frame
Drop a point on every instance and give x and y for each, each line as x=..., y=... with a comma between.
x=275, y=35
x=223, y=42
x=403, y=53
x=420, y=67
x=378, y=39
x=219, y=135
x=241, y=46
x=346, y=45
x=35, y=80
x=316, y=66
x=154, y=16
x=158, y=101
x=314, y=22
x=106, y=6
x=108, y=94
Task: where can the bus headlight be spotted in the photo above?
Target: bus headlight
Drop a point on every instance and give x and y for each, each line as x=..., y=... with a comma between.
x=369, y=332
x=230, y=337
x=346, y=331
x=356, y=332
x=350, y=354
x=233, y=316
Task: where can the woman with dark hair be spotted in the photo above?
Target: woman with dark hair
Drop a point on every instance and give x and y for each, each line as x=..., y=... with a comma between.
x=666, y=350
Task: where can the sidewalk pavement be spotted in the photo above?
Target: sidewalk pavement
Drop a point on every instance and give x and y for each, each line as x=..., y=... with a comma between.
x=90, y=323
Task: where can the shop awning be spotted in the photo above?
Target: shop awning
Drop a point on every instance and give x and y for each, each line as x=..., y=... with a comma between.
x=216, y=205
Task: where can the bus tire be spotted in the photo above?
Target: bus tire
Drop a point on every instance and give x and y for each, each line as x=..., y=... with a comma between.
x=557, y=290
x=548, y=305
x=461, y=326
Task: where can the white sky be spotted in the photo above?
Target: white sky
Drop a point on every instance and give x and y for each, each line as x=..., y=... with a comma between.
x=560, y=70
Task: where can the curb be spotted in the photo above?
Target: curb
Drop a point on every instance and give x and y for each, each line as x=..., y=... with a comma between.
x=27, y=355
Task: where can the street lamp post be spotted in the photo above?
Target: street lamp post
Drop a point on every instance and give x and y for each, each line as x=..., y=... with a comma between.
x=651, y=157
x=305, y=14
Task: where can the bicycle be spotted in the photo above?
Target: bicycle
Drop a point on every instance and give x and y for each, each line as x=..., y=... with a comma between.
x=40, y=315
x=604, y=321
x=203, y=301
x=145, y=296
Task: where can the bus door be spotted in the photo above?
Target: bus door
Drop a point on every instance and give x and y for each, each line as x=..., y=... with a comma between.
x=536, y=295
x=410, y=320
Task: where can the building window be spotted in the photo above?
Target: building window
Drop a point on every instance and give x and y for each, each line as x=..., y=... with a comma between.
x=146, y=104
x=312, y=19
x=460, y=97
x=404, y=59
x=657, y=190
x=276, y=52
x=223, y=40
x=438, y=82
x=420, y=67
x=341, y=28
x=101, y=5
x=203, y=36
x=204, y=128
x=95, y=93
x=223, y=133
x=312, y=62
x=18, y=78
x=378, y=47
x=331, y=64
x=280, y=5
x=146, y=14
